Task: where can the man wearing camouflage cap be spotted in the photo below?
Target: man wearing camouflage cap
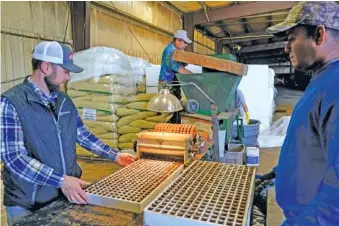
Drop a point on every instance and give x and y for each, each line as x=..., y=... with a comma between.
x=307, y=175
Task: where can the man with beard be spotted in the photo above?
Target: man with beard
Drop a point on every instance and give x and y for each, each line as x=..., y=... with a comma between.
x=307, y=175
x=40, y=127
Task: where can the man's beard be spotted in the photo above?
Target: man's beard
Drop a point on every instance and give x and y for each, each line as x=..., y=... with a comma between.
x=50, y=85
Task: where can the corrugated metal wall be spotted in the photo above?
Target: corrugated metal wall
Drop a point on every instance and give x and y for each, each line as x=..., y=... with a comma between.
x=203, y=44
x=22, y=23
x=110, y=29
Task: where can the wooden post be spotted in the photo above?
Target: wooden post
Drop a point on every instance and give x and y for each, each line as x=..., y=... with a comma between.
x=189, y=27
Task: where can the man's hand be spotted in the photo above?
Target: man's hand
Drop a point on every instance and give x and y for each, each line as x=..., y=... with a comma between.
x=265, y=177
x=124, y=159
x=72, y=188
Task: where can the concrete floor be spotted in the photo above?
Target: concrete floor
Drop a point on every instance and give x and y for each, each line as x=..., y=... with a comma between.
x=286, y=99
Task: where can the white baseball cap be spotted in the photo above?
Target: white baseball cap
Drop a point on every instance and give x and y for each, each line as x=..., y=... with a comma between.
x=56, y=53
x=182, y=34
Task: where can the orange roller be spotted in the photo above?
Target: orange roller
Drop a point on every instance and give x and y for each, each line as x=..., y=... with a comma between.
x=176, y=128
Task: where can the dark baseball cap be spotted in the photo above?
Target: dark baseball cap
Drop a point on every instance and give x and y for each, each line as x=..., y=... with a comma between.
x=56, y=53
x=309, y=13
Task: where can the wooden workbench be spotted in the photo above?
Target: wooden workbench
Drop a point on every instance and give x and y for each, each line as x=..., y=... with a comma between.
x=62, y=212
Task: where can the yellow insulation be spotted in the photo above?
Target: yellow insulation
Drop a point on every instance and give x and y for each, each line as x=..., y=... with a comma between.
x=108, y=118
x=97, y=105
x=108, y=136
x=112, y=79
x=109, y=98
x=126, y=112
x=133, y=139
x=128, y=129
x=165, y=117
x=128, y=119
x=110, y=127
x=140, y=97
x=75, y=93
x=143, y=124
x=138, y=105
x=84, y=98
x=97, y=130
x=102, y=88
x=127, y=138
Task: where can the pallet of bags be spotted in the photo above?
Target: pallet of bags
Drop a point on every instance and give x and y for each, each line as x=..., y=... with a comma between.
x=105, y=85
x=97, y=106
x=135, y=118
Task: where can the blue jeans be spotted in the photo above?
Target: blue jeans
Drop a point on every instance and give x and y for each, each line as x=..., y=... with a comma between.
x=15, y=213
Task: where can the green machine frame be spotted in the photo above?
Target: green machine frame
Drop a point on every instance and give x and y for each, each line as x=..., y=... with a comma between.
x=220, y=87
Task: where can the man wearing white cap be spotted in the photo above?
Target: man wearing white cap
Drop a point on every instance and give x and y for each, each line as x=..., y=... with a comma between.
x=40, y=127
x=168, y=66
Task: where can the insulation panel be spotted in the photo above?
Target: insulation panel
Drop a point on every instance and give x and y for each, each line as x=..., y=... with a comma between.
x=207, y=193
x=135, y=186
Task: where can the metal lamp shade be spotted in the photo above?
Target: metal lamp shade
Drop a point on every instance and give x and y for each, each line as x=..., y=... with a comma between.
x=164, y=102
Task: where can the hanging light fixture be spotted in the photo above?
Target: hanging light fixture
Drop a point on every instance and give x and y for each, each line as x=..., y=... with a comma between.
x=164, y=102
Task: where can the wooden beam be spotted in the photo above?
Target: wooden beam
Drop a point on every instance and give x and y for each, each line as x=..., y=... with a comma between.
x=229, y=23
x=219, y=47
x=268, y=54
x=248, y=49
x=243, y=10
x=244, y=20
x=229, y=41
x=246, y=37
x=171, y=7
x=189, y=27
x=211, y=62
x=80, y=14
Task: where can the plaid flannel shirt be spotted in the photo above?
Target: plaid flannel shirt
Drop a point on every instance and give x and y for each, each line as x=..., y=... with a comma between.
x=15, y=156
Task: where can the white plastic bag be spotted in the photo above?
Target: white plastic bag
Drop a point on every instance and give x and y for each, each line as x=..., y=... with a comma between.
x=98, y=61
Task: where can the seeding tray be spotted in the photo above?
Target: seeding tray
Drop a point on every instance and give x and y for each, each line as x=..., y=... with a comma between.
x=135, y=186
x=207, y=193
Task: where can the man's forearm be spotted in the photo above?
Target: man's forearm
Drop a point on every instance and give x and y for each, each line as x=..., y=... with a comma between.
x=93, y=144
x=183, y=70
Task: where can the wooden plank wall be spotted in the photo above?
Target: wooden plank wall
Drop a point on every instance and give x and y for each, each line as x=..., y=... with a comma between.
x=109, y=29
x=21, y=25
x=202, y=44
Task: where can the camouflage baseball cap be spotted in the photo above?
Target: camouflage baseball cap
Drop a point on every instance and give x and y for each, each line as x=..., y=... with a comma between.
x=309, y=13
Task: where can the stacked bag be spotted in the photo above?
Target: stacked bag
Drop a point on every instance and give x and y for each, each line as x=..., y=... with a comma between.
x=135, y=118
x=105, y=85
x=138, y=66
